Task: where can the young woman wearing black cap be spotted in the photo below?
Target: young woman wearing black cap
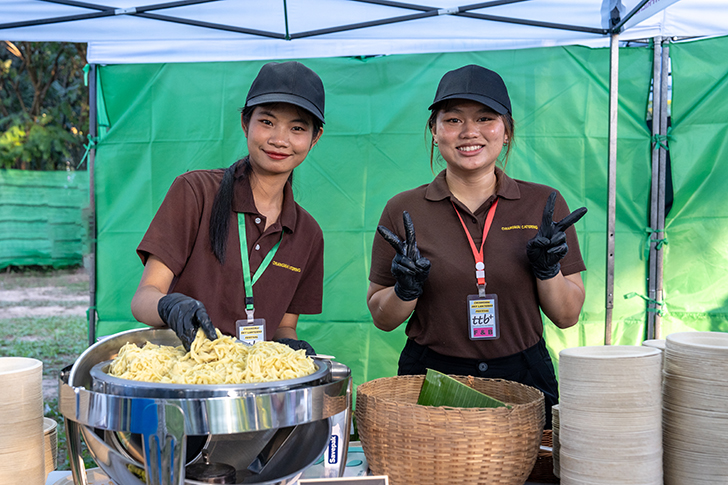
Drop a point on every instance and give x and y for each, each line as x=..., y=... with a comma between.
x=230, y=248
x=488, y=256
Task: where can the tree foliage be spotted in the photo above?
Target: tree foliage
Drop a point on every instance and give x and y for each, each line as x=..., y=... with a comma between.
x=43, y=105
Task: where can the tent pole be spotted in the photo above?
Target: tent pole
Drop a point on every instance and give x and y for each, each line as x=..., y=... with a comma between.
x=664, y=112
x=612, y=181
x=93, y=131
x=654, y=190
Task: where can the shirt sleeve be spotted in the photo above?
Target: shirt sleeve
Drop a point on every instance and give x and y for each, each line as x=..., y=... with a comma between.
x=172, y=233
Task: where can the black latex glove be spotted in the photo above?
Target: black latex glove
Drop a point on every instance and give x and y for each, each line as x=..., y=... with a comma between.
x=298, y=345
x=408, y=267
x=185, y=315
x=548, y=248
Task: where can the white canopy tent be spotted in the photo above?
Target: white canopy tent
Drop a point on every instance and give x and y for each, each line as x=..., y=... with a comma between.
x=137, y=31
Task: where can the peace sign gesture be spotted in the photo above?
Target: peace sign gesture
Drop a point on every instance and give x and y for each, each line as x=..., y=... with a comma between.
x=409, y=268
x=548, y=247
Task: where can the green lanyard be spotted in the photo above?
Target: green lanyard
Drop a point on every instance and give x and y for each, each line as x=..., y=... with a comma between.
x=246, y=264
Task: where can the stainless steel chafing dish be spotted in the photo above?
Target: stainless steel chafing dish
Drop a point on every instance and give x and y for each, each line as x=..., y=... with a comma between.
x=156, y=434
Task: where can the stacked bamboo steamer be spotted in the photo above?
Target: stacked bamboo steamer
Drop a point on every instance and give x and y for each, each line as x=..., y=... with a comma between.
x=695, y=395
x=21, y=421
x=50, y=444
x=610, y=416
x=555, y=448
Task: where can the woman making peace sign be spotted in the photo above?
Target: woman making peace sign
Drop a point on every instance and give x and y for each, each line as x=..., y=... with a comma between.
x=487, y=257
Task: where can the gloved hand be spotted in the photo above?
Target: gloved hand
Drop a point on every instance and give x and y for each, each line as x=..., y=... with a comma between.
x=297, y=345
x=185, y=315
x=548, y=248
x=408, y=267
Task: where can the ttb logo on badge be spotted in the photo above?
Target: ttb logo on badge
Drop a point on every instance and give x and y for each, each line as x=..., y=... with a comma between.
x=483, y=317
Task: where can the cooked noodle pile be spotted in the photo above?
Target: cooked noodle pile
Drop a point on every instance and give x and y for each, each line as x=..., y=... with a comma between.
x=222, y=361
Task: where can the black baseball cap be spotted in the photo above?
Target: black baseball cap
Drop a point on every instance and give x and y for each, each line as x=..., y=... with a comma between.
x=288, y=82
x=474, y=83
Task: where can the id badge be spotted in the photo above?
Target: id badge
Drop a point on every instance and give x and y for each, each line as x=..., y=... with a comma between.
x=251, y=331
x=483, y=317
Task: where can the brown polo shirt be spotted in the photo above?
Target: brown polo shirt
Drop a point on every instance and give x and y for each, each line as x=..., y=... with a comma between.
x=440, y=320
x=178, y=235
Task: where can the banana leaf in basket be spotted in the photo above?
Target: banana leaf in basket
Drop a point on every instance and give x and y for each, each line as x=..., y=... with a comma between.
x=439, y=389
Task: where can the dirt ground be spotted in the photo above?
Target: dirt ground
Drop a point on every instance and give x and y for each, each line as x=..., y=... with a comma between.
x=40, y=295
x=25, y=302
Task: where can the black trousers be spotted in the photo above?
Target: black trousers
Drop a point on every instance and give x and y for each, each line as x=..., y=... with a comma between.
x=532, y=367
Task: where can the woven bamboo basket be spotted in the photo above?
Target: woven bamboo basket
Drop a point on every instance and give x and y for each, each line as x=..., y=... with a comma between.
x=441, y=445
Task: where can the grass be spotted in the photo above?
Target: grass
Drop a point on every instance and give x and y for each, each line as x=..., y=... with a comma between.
x=36, y=304
x=55, y=341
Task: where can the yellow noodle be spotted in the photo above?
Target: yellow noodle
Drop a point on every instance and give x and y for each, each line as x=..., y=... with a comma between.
x=222, y=361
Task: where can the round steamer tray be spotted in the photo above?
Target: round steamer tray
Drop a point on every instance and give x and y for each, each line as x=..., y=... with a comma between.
x=19, y=366
x=618, y=362
x=22, y=397
x=655, y=343
x=616, y=359
x=106, y=384
x=606, y=352
x=707, y=341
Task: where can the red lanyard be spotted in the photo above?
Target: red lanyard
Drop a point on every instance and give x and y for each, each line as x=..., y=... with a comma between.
x=478, y=255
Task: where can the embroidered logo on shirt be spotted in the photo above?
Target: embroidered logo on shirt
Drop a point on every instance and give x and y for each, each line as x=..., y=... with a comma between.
x=519, y=226
x=286, y=266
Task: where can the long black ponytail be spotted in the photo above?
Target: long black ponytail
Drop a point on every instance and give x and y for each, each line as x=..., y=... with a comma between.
x=221, y=208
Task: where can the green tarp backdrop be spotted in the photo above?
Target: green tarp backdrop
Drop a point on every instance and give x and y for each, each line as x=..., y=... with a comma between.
x=696, y=265
x=42, y=218
x=165, y=119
